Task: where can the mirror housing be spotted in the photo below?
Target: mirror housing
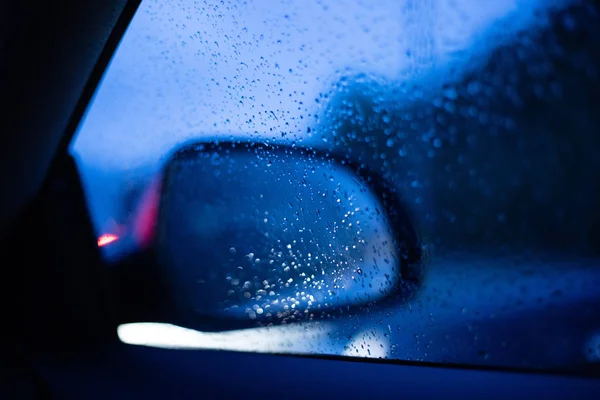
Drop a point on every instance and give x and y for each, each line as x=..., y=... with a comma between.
x=248, y=235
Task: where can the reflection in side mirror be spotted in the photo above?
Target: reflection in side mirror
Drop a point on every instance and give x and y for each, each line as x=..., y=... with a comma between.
x=254, y=235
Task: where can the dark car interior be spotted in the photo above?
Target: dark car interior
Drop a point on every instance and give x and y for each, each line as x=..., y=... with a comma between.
x=59, y=303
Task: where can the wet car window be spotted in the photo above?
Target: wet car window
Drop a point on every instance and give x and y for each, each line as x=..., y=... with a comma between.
x=481, y=115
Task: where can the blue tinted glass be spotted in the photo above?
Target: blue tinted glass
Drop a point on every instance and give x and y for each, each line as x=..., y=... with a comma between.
x=482, y=114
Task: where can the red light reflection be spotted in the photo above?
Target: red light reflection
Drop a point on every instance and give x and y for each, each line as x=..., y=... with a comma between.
x=107, y=238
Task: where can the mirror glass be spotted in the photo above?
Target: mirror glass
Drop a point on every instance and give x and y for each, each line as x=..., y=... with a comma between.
x=272, y=235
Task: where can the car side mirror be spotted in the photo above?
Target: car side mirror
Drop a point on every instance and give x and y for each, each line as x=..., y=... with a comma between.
x=251, y=235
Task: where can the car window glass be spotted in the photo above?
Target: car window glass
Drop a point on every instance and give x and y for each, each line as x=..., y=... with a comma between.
x=482, y=114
